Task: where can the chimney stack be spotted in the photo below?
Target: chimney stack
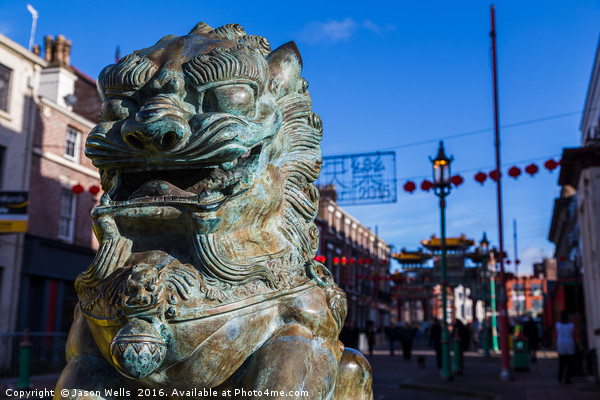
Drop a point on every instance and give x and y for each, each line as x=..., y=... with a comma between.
x=48, y=48
x=57, y=51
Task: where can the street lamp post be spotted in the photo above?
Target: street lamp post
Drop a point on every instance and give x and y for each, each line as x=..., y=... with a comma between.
x=441, y=186
x=484, y=250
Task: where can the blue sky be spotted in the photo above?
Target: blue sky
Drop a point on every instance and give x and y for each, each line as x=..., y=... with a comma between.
x=387, y=74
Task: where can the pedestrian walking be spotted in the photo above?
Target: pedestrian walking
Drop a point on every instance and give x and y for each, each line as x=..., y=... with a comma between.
x=407, y=335
x=461, y=333
x=435, y=341
x=476, y=333
x=393, y=337
x=349, y=335
x=370, y=331
x=566, y=339
x=531, y=332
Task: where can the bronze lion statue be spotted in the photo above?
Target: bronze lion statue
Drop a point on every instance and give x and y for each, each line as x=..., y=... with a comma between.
x=205, y=283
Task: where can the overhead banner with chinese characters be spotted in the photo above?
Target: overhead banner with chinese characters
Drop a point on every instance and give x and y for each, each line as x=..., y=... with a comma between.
x=361, y=179
x=13, y=212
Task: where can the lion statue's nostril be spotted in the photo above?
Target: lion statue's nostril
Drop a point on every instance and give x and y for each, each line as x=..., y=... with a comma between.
x=133, y=140
x=155, y=135
x=168, y=140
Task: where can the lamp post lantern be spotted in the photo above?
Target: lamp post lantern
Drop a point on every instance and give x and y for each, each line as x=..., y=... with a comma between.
x=441, y=186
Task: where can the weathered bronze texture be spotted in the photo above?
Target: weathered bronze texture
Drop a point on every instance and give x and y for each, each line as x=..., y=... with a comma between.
x=205, y=277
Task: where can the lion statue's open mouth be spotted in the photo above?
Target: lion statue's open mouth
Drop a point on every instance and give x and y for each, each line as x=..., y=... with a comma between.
x=205, y=276
x=203, y=186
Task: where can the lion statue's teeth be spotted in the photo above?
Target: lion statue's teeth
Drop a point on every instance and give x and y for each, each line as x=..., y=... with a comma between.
x=158, y=188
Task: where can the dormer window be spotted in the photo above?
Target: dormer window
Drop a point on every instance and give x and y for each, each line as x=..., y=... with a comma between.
x=5, y=73
x=72, y=144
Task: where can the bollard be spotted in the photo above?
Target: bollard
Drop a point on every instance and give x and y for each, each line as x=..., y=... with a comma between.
x=521, y=353
x=456, y=357
x=25, y=362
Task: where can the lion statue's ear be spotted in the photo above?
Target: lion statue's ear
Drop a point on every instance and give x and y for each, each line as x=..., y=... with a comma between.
x=285, y=65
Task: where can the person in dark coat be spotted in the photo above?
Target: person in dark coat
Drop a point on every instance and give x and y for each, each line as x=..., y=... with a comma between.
x=461, y=333
x=370, y=332
x=407, y=335
x=349, y=335
x=531, y=332
x=393, y=336
x=435, y=341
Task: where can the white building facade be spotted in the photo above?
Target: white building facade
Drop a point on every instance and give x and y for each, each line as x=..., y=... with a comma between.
x=20, y=72
x=580, y=169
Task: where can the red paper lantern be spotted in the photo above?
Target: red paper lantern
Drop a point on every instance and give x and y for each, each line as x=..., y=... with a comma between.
x=353, y=261
x=336, y=260
x=361, y=261
x=457, y=180
x=480, y=177
x=77, y=189
x=344, y=261
x=94, y=189
x=517, y=261
x=532, y=169
x=410, y=186
x=550, y=164
x=514, y=172
x=426, y=185
x=495, y=175
x=507, y=261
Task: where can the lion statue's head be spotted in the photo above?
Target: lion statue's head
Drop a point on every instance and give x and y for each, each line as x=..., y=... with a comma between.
x=208, y=149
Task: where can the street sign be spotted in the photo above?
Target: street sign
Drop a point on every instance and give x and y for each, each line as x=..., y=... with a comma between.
x=361, y=178
x=13, y=211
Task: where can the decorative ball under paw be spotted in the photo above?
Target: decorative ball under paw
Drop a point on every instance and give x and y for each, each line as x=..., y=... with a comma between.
x=138, y=349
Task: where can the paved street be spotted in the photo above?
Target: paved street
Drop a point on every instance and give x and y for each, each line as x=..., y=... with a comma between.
x=395, y=378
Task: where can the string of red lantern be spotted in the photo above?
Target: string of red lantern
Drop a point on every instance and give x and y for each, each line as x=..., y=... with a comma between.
x=480, y=177
x=410, y=186
x=349, y=260
x=457, y=180
x=78, y=189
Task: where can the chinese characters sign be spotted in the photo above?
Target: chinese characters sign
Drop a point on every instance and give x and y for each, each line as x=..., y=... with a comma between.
x=361, y=178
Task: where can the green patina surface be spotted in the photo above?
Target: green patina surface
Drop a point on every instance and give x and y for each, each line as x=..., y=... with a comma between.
x=205, y=276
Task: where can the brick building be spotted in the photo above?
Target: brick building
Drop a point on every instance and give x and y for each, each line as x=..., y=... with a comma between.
x=359, y=261
x=63, y=188
x=526, y=295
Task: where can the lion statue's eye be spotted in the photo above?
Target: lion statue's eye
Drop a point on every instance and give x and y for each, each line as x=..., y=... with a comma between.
x=115, y=109
x=236, y=99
